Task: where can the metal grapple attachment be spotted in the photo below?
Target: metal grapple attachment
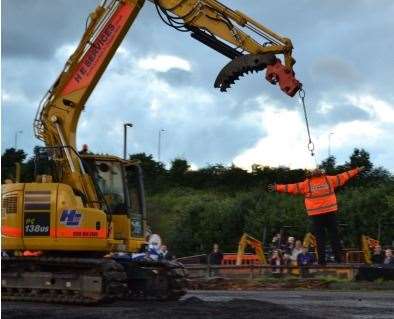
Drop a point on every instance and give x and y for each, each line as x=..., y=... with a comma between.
x=276, y=72
x=285, y=77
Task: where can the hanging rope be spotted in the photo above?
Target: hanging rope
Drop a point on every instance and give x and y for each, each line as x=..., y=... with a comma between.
x=311, y=146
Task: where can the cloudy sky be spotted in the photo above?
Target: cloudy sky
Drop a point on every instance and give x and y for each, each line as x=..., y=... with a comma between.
x=163, y=79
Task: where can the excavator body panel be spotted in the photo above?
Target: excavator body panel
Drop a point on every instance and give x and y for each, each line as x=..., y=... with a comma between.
x=51, y=217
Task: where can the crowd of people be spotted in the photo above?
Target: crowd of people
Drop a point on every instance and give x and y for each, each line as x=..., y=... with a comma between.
x=382, y=258
x=283, y=253
x=289, y=253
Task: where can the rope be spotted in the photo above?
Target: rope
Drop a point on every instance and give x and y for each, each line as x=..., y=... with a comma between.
x=311, y=145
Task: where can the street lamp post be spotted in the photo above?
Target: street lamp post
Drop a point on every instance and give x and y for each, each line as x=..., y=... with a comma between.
x=16, y=138
x=329, y=143
x=159, y=144
x=125, y=125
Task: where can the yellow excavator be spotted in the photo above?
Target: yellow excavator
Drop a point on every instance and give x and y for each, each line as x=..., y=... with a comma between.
x=72, y=236
x=368, y=244
x=257, y=245
x=310, y=242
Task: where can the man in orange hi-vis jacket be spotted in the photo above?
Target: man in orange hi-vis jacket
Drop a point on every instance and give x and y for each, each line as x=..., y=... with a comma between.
x=321, y=206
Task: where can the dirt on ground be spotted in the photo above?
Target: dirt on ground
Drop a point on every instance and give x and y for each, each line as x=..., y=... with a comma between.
x=270, y=283
x=190, y=308
x=220, y=283
x=223, y=304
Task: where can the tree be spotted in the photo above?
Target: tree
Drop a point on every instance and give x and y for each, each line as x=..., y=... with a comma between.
x=178, y=169
x=329, y=165
x=154, y=172
x=10, y=157
x=360, y=157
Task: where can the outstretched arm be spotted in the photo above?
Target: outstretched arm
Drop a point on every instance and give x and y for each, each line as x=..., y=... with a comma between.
x=343, y=178
x=297, y=188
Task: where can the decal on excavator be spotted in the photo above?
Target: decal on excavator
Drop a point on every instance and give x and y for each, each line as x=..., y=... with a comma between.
x=71, y=218
x=37, y=224
x=95, y=56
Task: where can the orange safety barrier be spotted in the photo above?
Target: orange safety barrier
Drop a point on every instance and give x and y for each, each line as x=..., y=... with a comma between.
x=231, y=259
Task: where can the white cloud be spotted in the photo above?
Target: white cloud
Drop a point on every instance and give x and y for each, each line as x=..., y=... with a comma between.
x=348, y=134
x=285, y=141
x=64, y=51
x=378, y=109
x=164, y=63
x=193, y=166
x=145, y=99
x=325, y=107
x=284, y=144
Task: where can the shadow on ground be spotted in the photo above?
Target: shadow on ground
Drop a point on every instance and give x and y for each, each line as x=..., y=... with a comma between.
x=190, y=308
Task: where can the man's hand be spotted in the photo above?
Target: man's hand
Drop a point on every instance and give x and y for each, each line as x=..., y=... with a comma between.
x=271, y=187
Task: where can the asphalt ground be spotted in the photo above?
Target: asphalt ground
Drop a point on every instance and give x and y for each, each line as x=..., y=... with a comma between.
x=296, y=304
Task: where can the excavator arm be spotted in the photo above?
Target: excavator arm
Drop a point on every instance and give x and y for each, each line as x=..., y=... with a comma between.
x=225, y=30
x=209, y=21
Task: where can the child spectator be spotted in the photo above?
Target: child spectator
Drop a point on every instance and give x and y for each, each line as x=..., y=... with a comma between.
x=304, y=259
x=165, y=254
x=275, y=261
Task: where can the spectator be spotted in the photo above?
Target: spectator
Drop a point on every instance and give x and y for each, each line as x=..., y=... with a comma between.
x=377, y=256
x=153, y=249
x=388, y=257
x=276, y=241
x=304, y=259
x=296, y=251
x=288, y=250
x=165, y=254
x=275, y=261
x=290, y=245
x=215, y=257
x=84, y=150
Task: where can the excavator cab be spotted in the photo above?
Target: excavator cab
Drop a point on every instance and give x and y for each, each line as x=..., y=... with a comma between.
x=119, y=184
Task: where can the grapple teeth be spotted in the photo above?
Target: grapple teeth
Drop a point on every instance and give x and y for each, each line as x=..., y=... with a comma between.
x=240, y=66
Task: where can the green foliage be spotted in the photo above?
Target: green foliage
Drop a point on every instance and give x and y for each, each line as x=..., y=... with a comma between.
x=10, y=157
x=154, y=172
x=360, y=157
x=329, y=165
x=194, y=209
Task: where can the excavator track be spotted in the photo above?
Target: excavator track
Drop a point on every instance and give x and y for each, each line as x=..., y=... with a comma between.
x=155, y=280
x=61, y=280
x=89, y=281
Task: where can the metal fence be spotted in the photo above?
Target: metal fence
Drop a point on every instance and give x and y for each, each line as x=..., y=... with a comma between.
x=252, y=271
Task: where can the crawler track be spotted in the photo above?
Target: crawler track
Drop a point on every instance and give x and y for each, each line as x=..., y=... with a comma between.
x=89, y=281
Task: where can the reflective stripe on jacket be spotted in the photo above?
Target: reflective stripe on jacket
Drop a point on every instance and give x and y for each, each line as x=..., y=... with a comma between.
x=319, y=191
